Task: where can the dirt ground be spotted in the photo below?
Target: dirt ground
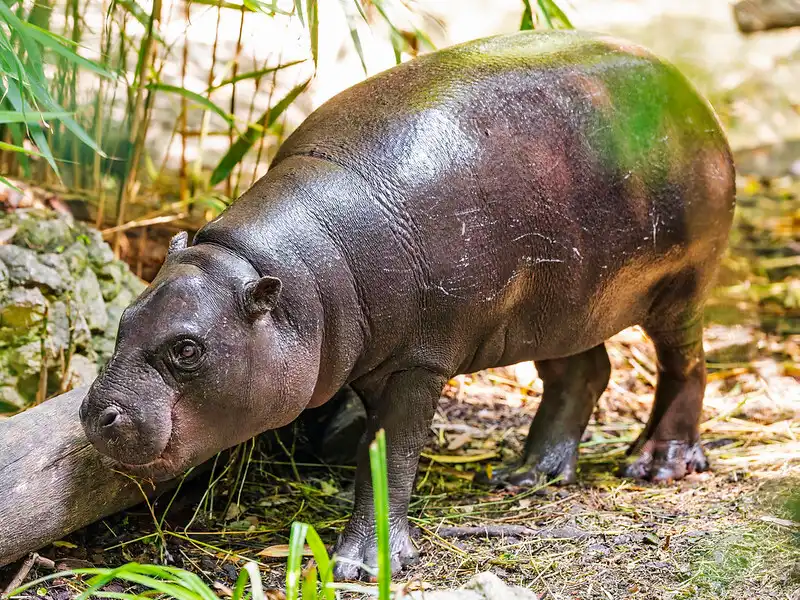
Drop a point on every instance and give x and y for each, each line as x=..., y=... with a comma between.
x=731, y=533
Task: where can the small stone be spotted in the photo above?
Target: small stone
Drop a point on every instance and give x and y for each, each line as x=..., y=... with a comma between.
x=599, y=549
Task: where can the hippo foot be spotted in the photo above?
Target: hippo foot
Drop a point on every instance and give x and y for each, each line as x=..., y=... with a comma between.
x=561, y=466
x=666, y=461
x=356, y=557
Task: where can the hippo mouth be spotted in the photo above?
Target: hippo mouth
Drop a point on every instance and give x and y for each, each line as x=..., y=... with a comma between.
x=163, y=468
x=169, y=464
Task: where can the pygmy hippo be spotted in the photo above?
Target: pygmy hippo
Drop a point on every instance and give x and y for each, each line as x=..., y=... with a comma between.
x=520, y=197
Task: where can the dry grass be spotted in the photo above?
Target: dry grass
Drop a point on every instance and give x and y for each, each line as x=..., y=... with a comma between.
x=732, y=533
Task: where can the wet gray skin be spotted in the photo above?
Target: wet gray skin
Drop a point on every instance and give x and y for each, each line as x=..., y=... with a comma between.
x=522, y=197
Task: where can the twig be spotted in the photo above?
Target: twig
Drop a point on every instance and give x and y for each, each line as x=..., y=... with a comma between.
x=33, y=559
x=510, y=531
x=142, y=223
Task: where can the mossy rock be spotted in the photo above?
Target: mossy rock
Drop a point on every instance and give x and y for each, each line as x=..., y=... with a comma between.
x=59, y=284
x=44, y=231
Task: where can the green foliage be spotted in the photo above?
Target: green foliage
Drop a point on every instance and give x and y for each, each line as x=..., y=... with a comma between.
x=48, y=126
x=380, y=492
x=254, y=132
x=548, y=12
x=24, y=85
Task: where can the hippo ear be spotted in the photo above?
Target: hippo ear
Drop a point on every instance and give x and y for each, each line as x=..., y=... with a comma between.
x=178, y=242
x=261, y=296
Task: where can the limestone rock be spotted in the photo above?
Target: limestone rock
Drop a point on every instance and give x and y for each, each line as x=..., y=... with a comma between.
x=24, y=268
x=62, y=293
x=90, y=300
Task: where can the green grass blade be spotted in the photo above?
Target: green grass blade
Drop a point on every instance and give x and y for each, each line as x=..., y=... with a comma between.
x=380, y=493
x=30, y=118
x=57, y=44
x=556, y=15
x=6, y=182
x=45, y=579
x=189, y=580
x=170, y=589
x=323, y=560
x=351, y=24
x=360, y=10
x=545, y=13
x=20, y=149
x=254, y=74
x=269, y=9
x=240, y=147
x=309, y=590
x=194, y=97
x=139, y=14
x=252, y=573
x=297, y=540
x=298, y=9
x=34, y=131
x=313, y=28
x=70, y=123
x=527, y=17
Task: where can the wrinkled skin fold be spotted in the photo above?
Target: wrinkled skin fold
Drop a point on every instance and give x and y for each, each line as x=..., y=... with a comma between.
x=522, y=197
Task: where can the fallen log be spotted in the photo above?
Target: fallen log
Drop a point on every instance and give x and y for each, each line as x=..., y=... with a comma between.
x=52, y=481
x=761, y=15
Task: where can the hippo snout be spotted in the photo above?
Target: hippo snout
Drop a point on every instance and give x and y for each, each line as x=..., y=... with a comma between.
x=125, y=433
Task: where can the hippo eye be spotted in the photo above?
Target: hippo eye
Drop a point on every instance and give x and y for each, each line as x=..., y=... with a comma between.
x=186, y=354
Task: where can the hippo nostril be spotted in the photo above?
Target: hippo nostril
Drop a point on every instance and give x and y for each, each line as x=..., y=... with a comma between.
x=108, y=417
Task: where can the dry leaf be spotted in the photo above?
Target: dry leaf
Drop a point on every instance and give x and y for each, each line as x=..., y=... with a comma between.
x=282, y=551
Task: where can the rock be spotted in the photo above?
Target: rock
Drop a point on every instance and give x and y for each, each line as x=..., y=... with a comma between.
x=483, y=586
x=22, y=308
x=66, y=324
x=25, y=269
x=4, y=277
x=53, y=266
x=100, y=253
x=58, y=264
x=76, y=257
x=82, y=371
x=43, y=231
x=90, y=301
x=26, y=360
x=10, y=399
x=111, y=277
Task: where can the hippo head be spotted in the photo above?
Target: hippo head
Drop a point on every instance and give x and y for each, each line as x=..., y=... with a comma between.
x=200, y=365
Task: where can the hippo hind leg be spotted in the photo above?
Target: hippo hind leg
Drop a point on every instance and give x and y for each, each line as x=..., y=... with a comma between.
x=669, y=447
x=572, y=386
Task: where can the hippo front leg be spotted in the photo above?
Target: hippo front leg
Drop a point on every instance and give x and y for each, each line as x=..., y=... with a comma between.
x=403, y=405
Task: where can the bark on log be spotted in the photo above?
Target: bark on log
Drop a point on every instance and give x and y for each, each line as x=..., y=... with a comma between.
x=52, y=481
x=761, y=15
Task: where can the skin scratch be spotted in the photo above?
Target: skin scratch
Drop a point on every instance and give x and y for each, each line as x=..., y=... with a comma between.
x=655, y=228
